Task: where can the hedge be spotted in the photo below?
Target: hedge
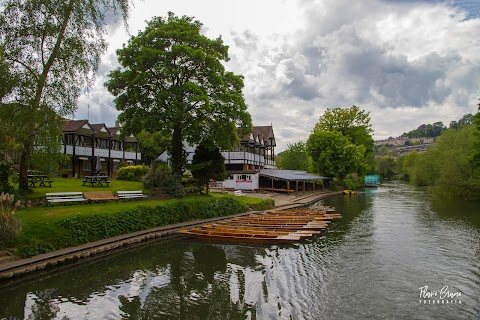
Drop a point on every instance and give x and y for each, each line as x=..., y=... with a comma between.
x=87, y=228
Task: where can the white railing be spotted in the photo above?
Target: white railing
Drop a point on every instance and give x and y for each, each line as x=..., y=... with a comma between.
x=87, y=151
x=242, y=157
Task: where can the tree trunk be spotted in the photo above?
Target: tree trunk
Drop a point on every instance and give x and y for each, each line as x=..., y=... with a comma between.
x=28, y=145
x=177, y=152
x=24, y=164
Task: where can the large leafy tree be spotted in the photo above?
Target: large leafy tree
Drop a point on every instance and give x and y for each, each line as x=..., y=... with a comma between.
x=52, y=49
x=172, y=80
x=296, y=157
x=208, y=163
x=354, y=124
x=474, y=156
x=152, y=145
x=334, y=155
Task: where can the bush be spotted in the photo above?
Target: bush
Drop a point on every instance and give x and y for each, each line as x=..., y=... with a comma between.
x=10, y=227
x=264, y=204
x=37, y=248
x=132, y=173
x=166, y=181
x=5, y=172
x=86, y=228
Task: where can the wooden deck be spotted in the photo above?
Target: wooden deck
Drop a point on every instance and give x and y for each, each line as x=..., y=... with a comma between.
x=273, y=226
x=277, y=190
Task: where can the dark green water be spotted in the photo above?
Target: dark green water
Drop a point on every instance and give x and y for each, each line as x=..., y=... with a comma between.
x=371, y=264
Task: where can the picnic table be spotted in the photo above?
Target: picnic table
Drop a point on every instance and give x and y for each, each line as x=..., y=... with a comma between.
x=96, y=180
x=41, y=179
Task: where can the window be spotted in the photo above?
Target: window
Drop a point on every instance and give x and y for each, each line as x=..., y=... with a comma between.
x=244, y=177
x=87, y=165
x=104, y=144
x=87, y=141
x=230, y=177
x=68, y=138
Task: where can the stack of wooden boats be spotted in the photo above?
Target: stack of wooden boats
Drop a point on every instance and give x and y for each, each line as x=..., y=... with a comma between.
x=270, y=226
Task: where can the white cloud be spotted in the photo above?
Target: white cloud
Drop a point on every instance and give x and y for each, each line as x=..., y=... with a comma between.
x=406, y=62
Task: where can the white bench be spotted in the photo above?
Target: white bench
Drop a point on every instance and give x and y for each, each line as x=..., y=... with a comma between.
x=238, y=193
x=131, y=194
x=64, y=197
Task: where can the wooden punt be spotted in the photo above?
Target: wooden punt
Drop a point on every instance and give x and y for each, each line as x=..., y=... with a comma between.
x=260, y=228
x=282, y=221
x=259, y=231
x=271, y=226
x=302, y=214
x=277, y=226
x=243, y=237
x=290, y=218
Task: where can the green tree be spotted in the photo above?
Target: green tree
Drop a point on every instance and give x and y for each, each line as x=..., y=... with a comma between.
x=447, y=167
x=386, y=166
x=152, y=145
x=172, y=80
x=409, y=163
x=475, y=153
x=53, y=49
x=466, y=120
x=334, y=155
x=296, y=157
x=354, y=124
x=208, y=163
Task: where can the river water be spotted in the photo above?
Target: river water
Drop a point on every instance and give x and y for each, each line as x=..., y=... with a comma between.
x=398, y=253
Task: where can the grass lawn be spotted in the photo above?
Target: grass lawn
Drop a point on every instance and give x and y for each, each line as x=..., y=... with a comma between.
x=40, y=223
x=76, y=185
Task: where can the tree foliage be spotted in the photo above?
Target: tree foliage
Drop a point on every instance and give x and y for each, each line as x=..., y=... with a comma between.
x=354, y=124
x=334, y=155
x=447, y=165
x=427, y=130
x=152, y=145
x=172, y=80
x=296, y=157
x=386, y=166
x=208, y=163
x=475, y=153
x=52, y=49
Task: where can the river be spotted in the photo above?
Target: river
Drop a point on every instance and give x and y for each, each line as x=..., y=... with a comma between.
x=398, y=253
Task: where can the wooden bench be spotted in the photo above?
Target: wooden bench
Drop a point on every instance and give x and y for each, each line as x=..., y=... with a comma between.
x=100, y=195
x=131, y=194
x=64, y=197
x=238, y=193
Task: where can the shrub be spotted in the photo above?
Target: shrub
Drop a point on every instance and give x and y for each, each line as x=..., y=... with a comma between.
x=132, y=173
x=87, y=228
x=5, y=172
x=264, y=204
x=166, y=181
x=10, y=227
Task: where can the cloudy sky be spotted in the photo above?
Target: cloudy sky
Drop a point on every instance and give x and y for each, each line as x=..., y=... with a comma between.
x=407, y=62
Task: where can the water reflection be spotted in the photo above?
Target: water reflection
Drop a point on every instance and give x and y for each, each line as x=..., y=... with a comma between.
x=370, y=264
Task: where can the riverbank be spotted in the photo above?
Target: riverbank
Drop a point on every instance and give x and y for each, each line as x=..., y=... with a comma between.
x=45, y=262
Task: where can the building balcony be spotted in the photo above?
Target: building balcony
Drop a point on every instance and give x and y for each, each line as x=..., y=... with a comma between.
x=104, y=153
x=241, y=157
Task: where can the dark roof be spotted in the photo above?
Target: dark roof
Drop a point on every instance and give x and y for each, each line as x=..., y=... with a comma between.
x=260, y=132
x=113, y=130
x=292, y=175
x=98, y=130
x=73, y=125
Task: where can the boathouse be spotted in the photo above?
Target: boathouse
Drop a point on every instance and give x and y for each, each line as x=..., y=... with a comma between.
x=372, y=180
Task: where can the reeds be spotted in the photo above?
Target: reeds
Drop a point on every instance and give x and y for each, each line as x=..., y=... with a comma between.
x=10, y=227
